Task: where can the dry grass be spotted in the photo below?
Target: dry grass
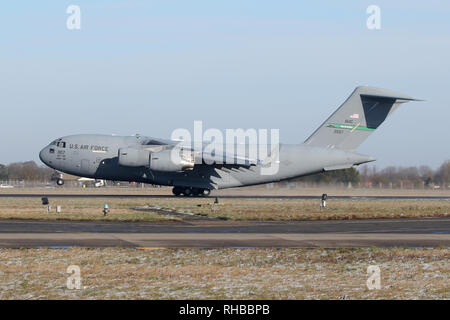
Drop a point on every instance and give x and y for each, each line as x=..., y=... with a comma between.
x=247, y=191
x=282, y=209
x=236, y=209
x=115, y=273
x=77, y=209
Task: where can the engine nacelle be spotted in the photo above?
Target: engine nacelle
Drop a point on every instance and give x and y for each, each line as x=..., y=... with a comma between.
x=164, y=160
x=180, y=160
x=132, y=157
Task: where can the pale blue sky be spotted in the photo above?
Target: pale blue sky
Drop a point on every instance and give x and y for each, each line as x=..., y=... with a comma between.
x=150, y=67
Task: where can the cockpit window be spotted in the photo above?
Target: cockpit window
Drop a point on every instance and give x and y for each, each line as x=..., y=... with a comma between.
x=51, y=150
x=61, y=144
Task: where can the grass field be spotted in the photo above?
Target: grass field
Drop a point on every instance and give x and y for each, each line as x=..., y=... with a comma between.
x=116, y=273
x=290, y=273
x=262, y=190
x=281, y=209
x=234, y=209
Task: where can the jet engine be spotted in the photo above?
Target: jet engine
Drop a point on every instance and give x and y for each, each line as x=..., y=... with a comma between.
x=133, y=157
x=172, y=160
x=166, y=160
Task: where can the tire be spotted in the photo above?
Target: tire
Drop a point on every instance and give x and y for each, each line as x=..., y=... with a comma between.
x=177, y=191
x=187, y=192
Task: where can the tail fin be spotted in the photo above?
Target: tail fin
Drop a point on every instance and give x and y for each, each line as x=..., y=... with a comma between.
x=362, y=113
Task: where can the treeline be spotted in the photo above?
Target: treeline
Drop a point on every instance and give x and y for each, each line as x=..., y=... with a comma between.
x=406, y=176
x=394, y=177
x=25, y=171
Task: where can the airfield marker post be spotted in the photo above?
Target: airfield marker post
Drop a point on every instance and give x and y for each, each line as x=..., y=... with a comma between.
x=216, y=201
x=323, y=201
x=105, y=209
x=45, y=202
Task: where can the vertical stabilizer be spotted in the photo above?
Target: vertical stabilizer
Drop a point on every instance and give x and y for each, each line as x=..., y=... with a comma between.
x=361, y=114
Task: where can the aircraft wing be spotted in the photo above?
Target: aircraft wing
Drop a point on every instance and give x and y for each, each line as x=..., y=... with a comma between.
x=224, y=159
x=217, y=158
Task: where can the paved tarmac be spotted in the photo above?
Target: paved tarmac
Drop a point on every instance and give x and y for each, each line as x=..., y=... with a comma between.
x=418, y=232
x=298, y=197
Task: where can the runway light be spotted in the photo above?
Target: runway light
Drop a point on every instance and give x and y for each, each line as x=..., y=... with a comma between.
x=213, y=206
x=45, y=202
x=105, y=209
x=323, y=201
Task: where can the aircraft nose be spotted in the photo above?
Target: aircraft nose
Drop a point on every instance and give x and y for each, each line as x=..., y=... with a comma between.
x=43, y=155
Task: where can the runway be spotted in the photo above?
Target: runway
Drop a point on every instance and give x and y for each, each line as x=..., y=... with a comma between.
x=419, y=232
x=150, y=196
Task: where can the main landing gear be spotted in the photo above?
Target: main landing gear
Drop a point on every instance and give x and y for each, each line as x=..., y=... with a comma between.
x=188, y=191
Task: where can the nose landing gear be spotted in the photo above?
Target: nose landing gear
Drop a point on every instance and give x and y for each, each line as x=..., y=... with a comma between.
x=58, y=178
x=189, y=191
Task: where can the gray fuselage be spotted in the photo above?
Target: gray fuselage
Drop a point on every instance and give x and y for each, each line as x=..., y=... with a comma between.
x=96, y=156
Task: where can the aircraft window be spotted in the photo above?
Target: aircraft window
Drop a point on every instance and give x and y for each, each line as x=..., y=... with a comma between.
x=61, y=144
x=52, y=150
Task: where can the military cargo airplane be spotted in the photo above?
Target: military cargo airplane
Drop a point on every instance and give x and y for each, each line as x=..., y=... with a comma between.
x=145, y=159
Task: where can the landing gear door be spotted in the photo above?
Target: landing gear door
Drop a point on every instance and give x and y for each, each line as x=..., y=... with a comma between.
x=85, y=167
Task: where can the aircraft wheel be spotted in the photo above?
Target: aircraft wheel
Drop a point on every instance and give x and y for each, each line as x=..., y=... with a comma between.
x=187, y=192
x=60, y=182
x=196, y=192
x=177, y=191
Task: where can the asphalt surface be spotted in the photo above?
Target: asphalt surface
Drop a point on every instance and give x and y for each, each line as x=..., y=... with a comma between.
x=420, y=232
x=68, y=195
